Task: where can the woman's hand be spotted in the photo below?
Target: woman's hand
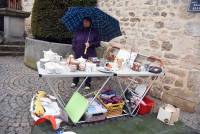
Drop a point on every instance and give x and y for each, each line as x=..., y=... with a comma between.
x=87, y=45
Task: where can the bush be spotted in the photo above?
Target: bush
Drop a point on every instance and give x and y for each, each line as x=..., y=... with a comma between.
x=46, y=16
x=82, y=3
x=2, y=3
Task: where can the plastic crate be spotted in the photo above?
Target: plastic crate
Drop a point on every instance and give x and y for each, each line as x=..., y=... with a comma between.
x=113, y=109
x=146, y=106
x=111, y=106
x=114, y=113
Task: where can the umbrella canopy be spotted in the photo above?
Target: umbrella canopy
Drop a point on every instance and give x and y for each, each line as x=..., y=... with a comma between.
x=107, y=26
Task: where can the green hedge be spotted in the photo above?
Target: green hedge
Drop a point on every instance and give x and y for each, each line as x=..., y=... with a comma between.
x=82, y=2
x=46, y=16
x=3, y=3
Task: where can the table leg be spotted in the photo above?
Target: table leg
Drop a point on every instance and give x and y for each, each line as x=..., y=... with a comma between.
x=81, y=84
x=123, y=92
x=58, y=97
x=141, y=98
x=106, y=81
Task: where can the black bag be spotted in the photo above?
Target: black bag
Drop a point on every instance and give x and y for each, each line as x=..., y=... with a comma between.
x=155, y=70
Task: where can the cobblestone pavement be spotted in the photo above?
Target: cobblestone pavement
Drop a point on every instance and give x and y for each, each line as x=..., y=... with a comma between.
x=17, y=86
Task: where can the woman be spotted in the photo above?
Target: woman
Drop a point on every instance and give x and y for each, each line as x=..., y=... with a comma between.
x=88, y=38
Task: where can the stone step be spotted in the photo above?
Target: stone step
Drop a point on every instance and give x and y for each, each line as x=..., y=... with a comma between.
x=11, y=53
x=13, y=43
x=18, y=48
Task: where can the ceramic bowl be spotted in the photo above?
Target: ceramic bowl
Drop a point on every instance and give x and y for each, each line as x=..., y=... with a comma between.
x=82, y=66
x=75, y=62
x=73, y=68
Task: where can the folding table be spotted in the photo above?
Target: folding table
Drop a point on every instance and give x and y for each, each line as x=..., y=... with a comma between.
x=115, y=74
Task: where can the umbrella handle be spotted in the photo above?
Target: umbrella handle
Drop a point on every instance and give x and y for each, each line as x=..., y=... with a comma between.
x=85, y=52
x=86, y=48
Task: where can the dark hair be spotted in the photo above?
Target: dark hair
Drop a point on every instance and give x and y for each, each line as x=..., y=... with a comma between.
x=88, y=19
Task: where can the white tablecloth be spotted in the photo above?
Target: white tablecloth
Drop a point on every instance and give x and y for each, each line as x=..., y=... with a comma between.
x=121, y=73
x=67, y=73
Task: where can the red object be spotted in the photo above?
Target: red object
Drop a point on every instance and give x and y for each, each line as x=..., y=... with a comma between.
x=47, y=118
x=146, y=106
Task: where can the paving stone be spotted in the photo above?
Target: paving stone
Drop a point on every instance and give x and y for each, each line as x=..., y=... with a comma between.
x=10, y=129
x=24, y=124
x=12, y=132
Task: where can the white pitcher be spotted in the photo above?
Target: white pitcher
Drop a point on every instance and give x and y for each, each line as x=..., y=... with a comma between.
x=57, y=58
x=50, y=55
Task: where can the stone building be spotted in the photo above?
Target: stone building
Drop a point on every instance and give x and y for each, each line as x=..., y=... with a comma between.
x=162, y=28
x=12, y=21
x=27, y=6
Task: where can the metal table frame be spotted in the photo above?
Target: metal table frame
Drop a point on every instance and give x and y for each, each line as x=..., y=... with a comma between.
x=117, y=75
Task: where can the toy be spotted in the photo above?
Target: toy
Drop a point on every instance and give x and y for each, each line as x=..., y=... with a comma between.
x=38, y=108
x=45, y=108
x=40, y=94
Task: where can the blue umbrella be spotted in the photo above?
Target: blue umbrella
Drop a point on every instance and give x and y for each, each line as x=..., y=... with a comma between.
x=107, y=26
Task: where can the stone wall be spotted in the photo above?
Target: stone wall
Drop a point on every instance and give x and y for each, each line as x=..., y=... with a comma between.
x=27, y=6
x=165, y=29
x=34, y=50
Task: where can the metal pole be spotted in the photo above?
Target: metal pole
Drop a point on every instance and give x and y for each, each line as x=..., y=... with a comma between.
x=123, y=93
x=141, y=98
x=101, y=88
x=81, y=84
x=61, y=102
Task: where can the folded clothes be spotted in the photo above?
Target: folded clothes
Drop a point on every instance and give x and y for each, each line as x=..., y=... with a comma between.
x=113, y=100
x=110, y=96
x=107, y=101
x=117, y=99
x=105, y=96
x=109, y=92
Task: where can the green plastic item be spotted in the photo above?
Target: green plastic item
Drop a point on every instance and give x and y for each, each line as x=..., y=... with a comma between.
x=76, y=107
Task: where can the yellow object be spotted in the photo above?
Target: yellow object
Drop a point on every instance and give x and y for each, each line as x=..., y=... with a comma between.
x=40, y=94
x=114, y=113
x=113, y=109
x=38, y=108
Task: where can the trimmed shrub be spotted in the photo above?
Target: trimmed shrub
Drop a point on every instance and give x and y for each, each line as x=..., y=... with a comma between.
x=82, y=3
x=46, y=16
x=3, y=3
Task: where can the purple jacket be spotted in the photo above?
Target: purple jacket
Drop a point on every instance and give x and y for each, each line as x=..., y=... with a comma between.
x=79, y=40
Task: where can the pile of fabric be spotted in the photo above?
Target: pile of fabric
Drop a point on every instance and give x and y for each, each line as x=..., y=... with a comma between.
x=45, y=108
x=110, y=96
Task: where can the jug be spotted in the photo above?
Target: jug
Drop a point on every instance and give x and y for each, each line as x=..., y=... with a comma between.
x=57, y=58
x=82, y=65
x=50, y=55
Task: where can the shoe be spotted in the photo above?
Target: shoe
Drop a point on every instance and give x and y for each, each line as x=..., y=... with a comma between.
x=73, y=85
x=87, y=88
